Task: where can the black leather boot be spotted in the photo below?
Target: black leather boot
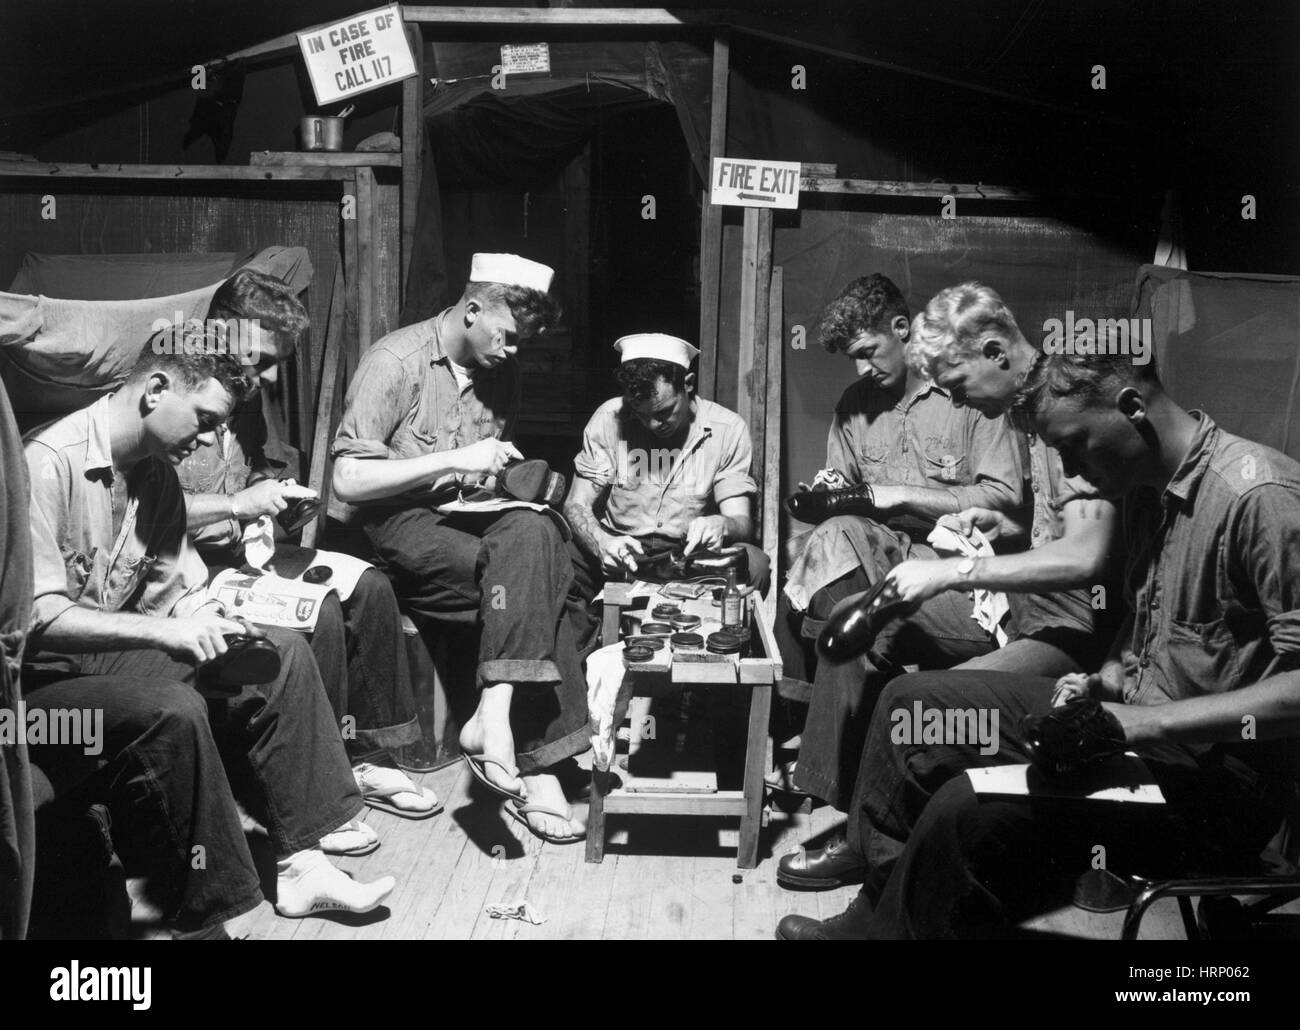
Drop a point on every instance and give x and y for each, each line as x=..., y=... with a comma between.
x=851, y=627
x=816, y=506
x=849, y=925
x=822, y=869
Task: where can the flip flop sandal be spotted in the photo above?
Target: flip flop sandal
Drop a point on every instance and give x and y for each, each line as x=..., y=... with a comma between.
x=519, y=813
x=386, y=789
x=366, y=841
x=480, y=774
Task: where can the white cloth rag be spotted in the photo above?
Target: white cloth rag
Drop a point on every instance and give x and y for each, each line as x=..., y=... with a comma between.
x=991, y=606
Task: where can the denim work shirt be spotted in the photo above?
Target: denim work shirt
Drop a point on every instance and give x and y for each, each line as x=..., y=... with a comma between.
x=926, y=441
x=235, y=461
x=405, y=402
x=1052, y=490
x=1214, y=571
x=652, y=490
x=102, y=538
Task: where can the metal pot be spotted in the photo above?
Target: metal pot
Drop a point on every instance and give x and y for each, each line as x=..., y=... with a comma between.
x=321, y=133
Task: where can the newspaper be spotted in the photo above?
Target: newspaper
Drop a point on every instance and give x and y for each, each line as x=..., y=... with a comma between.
x=269, y=600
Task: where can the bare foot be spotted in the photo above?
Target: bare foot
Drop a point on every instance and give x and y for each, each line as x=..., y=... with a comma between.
x=544, y=789
x=488, y=733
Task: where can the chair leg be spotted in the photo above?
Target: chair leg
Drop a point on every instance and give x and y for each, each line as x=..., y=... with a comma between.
x=1189, y=918
x=760, y=709
x=596, y=816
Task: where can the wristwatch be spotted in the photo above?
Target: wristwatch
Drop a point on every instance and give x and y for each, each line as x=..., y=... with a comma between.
x=965, y=567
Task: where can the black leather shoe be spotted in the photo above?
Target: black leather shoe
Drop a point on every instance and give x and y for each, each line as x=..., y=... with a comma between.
x=531, y=481
x=823, y=869
x=849, y=925
x=248, y=660
x=816, y=506
x=1068, y=739
x=298, y=514
x=851, y=627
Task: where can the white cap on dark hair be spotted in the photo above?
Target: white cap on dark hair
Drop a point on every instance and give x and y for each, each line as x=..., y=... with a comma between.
x=659, y=346
x=510, y=270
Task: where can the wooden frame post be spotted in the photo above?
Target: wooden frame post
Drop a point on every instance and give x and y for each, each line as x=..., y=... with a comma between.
x=711, y=225
x=412, y=150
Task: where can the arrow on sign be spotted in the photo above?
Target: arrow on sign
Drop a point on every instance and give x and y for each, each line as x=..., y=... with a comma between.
x=757, y=196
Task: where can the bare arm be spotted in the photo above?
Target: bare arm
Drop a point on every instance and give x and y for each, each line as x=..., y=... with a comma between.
x=1078, y=559
x=80, y=630
x=1269, y=708
x=580, y=511
x=369, y=479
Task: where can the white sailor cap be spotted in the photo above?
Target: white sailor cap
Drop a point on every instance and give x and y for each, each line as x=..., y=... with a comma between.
x=511, y=270
x=659, y=346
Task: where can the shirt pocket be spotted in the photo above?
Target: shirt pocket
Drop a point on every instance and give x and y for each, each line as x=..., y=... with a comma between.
x=1204, y=657
x=871, y=462
x=78, y=567
x=124, y=578
x=944, y=466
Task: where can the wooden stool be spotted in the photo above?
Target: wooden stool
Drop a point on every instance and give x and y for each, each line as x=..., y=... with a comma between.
x=670, y=672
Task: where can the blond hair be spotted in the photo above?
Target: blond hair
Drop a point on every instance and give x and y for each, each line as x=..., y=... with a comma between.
x=954, y=323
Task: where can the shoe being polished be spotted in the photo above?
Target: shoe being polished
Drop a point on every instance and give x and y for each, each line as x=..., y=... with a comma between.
x=822, y=869
x=816, y=506
x=1067, y=739
x=531, y=480
x=849, y=925
x=852, y=626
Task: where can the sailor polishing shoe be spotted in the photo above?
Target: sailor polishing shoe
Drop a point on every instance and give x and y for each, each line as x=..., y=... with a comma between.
x=1070, y=737
x=816, y=506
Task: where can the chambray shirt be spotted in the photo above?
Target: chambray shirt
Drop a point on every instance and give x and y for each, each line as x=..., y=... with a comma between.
x=405, y=402
x=1052, y=490
x=105, y=539
x=654, y=491
x=926, y=441
x=1213, y=575
x=237, y=458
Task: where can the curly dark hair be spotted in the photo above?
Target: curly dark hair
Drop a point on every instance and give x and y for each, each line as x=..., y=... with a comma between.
x=192, y=353
x=250, y=294
x=640, y=377
x=535, y=313
x=867, y=304
x=1092, y=380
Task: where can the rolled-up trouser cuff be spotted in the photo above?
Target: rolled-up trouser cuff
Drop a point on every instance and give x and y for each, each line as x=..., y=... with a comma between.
x=542, y=758
x=517, y=670
x=384, y=738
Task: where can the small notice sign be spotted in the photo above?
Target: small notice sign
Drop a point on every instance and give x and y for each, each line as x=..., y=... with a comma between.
x=530, y=57
x=358, y=54
x=742, y=182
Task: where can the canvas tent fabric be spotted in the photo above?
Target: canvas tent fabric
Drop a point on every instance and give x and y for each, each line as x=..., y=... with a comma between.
x=1229, y=345
x=58, y=354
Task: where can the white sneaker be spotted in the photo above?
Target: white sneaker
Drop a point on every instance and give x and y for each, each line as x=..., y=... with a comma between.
x=307, y=883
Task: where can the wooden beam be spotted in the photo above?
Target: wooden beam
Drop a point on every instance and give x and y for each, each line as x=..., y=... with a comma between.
x=212, y=173
x=629, y=17
x=757, y=379
x=412, y=151
x=770, y=497
x=748, y=291
x=912, y=190
x=331, y=366
x=711, y=225
x=309, y=158
x=365, y=262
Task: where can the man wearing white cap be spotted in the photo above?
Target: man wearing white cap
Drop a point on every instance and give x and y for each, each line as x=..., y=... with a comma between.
x=668, y=467
x=433, y=406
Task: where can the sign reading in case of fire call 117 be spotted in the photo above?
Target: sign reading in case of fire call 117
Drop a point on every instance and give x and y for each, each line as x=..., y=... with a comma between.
x=742, y=182
x=360, y=53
